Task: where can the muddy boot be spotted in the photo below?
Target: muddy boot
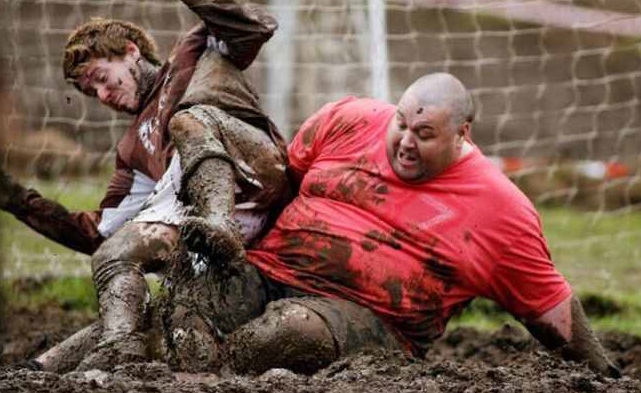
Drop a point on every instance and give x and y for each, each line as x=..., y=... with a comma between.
x=122, y=302
x=208, y=187
x=191, y=343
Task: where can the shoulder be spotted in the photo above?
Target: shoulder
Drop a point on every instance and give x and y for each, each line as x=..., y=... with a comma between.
x=344, y=117
x=497, y=193
x=363, y=107
x=353, y=114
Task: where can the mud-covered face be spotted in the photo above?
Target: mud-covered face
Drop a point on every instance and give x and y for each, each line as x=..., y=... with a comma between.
x=421, y=140
x=115, y=81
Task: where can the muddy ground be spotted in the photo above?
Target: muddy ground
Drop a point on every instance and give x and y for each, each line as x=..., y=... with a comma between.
x=465, y=360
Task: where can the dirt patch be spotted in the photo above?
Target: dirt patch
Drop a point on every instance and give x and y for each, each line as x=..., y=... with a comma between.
x=464, y=360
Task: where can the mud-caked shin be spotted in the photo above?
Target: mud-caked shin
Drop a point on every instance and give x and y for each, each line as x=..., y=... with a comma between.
x=122, y=297
x=118, y=268
x=208, y=188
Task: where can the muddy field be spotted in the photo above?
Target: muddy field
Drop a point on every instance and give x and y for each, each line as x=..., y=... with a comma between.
x=465, y=360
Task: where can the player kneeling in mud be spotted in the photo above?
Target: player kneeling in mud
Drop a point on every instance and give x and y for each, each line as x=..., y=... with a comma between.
x=218, y=192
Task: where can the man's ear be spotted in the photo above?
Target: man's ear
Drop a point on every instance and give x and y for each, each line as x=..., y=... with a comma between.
x=465, y=130
x=132, y=49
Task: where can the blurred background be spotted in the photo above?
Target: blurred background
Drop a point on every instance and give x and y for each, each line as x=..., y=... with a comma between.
x=556, y=85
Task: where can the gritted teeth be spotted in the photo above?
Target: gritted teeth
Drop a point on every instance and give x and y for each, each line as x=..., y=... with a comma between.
x=406, y=157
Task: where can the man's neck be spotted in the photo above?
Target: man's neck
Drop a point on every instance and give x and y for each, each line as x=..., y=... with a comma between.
x=147, y=79
x=466, y=149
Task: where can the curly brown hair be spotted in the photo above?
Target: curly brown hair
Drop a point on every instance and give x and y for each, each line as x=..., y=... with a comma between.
x=103, y=38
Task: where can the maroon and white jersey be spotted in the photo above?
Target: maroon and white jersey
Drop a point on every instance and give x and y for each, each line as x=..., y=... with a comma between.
x=145, y=151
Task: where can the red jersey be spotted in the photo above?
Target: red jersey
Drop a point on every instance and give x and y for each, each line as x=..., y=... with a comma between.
x=413, y=253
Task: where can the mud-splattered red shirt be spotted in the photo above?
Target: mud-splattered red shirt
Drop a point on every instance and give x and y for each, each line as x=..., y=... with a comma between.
x=413, y=253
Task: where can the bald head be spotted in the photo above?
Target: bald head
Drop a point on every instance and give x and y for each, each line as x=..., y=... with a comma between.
x=443, y=90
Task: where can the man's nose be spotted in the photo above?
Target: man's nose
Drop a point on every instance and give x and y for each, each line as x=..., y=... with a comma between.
x=103, y=93
x=407, y=140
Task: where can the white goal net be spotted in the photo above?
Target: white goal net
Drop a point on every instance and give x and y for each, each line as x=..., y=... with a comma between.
x=556, y=85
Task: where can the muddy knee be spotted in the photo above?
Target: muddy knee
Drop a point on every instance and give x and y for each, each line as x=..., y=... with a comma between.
x=287, y=335
x=136, y=247
x=196, y=134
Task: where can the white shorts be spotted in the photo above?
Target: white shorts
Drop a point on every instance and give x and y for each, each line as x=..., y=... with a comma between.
x=149, y=201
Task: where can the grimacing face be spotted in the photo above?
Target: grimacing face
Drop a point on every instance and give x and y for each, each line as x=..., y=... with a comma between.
x=115, y=81
x=421, y=140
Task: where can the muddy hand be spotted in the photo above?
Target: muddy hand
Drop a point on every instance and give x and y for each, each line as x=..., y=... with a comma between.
x=9, y=190
x=221, y=243
x=603, y=365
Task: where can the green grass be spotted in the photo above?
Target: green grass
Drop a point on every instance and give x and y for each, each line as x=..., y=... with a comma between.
x=27, y=253
x=598, y=252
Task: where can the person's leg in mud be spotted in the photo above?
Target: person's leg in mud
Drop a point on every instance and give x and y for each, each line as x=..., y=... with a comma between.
x=305, y=334
x=202, y=304
x=66, y=355
x=118, y=269
x=233, y=179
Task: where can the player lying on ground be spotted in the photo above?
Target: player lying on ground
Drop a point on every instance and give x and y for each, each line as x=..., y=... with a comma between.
x=220, y=190
x=399, y=222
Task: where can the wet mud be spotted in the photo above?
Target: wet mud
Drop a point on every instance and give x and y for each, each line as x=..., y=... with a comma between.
x=464, y=360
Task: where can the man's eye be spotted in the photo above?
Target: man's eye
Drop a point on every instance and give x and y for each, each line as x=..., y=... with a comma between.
x=424, y=135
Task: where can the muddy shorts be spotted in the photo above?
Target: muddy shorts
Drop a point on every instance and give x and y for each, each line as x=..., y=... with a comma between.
x=162, y=205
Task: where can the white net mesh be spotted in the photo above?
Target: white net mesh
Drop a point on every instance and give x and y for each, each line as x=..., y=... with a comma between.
x=556, y=83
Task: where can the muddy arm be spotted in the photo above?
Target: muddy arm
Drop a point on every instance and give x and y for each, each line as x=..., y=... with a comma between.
x=77, y=231
x=566, y=329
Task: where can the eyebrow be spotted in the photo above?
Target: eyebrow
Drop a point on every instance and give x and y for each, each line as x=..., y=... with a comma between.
x=86, y=78
x=93, y=72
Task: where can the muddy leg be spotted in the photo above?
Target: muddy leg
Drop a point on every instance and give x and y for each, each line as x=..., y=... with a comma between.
x=287, y=335
x=305, y=334
x=65, y=356
x=208, y=188
x=118, y=272
x=202, y=306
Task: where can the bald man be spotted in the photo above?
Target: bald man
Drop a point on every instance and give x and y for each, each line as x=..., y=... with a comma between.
x=399, y=222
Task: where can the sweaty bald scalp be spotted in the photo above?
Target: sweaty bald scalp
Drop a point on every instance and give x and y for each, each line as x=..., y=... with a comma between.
x=444, y=90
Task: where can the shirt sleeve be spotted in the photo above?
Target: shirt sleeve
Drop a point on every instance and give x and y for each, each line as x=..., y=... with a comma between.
x=525, y=281
x=76, y=230
x=240, y=30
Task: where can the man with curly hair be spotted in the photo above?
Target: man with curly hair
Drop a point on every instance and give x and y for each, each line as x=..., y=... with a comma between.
x=200, y=162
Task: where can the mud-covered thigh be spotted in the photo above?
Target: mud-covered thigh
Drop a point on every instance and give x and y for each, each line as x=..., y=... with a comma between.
x=224, y=302
x=305, y=334
x=353, y=327
x=256, y=158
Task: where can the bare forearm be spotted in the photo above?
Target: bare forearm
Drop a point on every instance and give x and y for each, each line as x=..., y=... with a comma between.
x=566, y=329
